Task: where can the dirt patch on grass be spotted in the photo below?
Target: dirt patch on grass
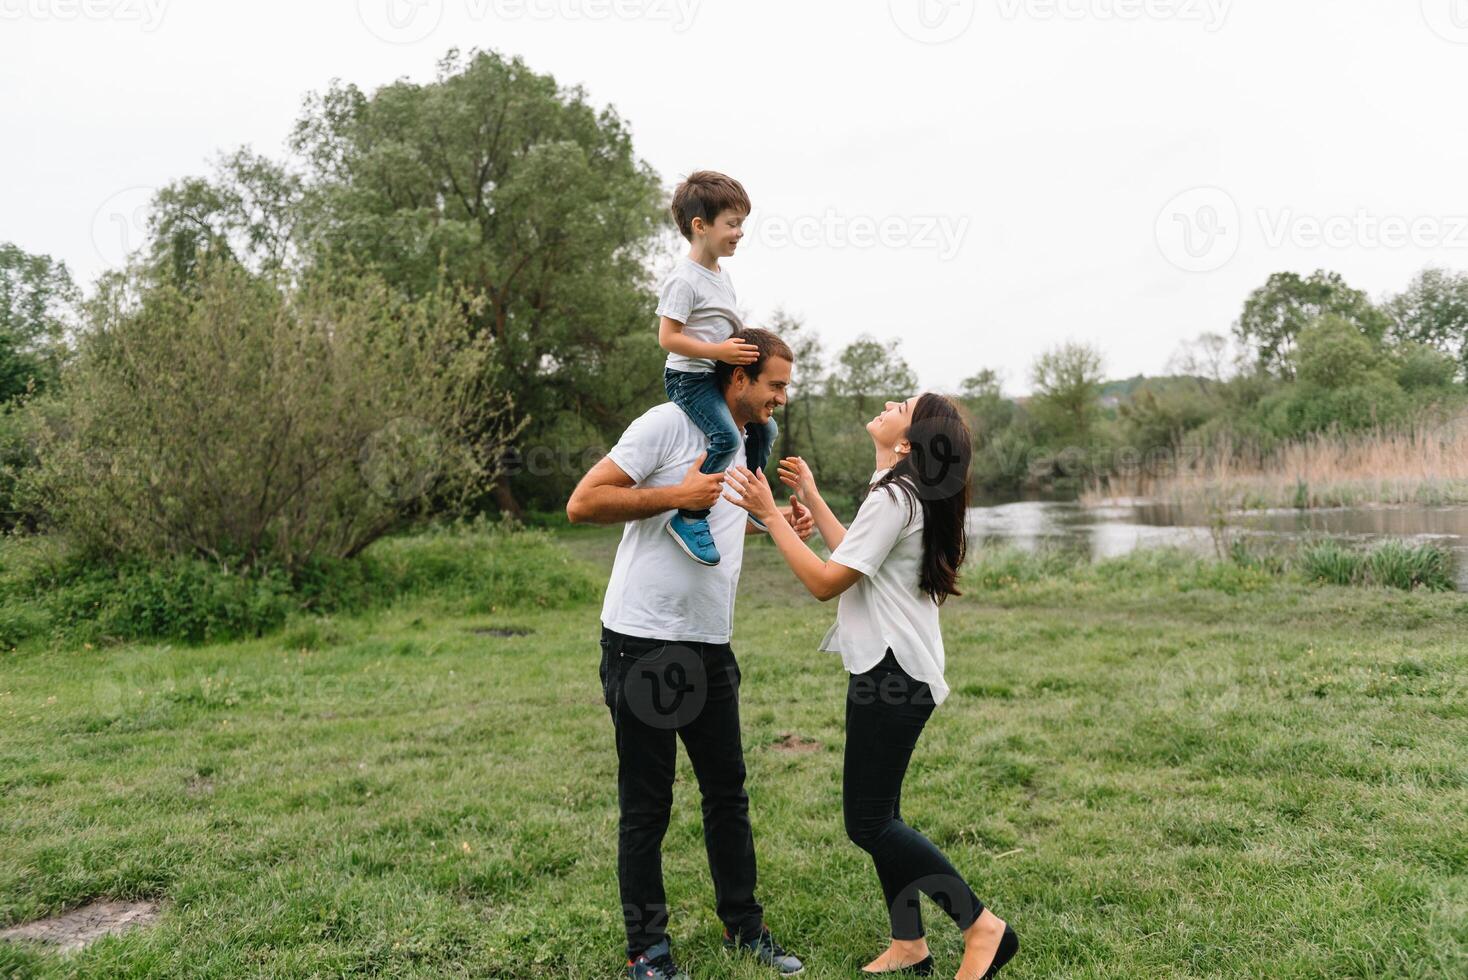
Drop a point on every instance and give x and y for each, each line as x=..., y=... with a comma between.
x=82, y=926
x=791, y=742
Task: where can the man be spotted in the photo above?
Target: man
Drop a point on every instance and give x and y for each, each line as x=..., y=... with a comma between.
x=667, y=669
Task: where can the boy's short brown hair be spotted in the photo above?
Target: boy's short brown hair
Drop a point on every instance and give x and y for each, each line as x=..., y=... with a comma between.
x=703, y=194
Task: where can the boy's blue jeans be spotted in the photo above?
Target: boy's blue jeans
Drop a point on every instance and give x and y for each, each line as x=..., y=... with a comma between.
x=698, y=394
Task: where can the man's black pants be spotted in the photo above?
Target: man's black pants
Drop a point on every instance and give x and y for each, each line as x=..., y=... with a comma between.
x=659, y=691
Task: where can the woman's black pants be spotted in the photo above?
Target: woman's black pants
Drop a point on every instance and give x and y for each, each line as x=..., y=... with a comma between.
x=886, y=710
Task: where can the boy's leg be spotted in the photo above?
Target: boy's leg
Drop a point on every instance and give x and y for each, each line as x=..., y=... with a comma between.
x=716, y=750
x=759, y=442
x=698, y=394
x=646, y=762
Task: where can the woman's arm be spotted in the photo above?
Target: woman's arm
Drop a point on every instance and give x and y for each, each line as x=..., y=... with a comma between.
x=795, y=473
x=825, y=579
x=732, y=351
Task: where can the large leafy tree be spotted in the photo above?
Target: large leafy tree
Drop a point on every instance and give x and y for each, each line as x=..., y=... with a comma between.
x=1067, y=383
x=1433, y=310
x=491, y=177
x=1275, y=313
x=38, y=302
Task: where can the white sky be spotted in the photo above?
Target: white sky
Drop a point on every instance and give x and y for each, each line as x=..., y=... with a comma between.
x=982, y=178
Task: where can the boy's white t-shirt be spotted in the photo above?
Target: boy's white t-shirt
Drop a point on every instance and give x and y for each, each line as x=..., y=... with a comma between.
x=656, y=591
x=703, y=301
x=886, y=607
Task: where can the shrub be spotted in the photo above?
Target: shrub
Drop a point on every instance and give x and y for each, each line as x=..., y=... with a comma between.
x=247, y=421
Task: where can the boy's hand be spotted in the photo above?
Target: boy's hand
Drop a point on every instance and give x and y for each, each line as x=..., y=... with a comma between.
x=802, y=520
x=699, y=491
x=795, y=473
x=736, y=351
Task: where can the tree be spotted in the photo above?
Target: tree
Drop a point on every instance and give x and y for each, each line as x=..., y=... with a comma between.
x=1275, y=313
x=1067, y=381
x=984, y=397
x=492, y=178
x=1433, y=310
x=870, y=373
x=797, y=417
x=1206, y=356
x=38, y=307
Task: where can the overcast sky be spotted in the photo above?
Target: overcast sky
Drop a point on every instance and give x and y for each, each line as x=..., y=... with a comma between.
x=982, y=178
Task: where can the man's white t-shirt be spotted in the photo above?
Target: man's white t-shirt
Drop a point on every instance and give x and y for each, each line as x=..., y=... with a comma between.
x=703, y=301
x=886, y=607
x=656, y=591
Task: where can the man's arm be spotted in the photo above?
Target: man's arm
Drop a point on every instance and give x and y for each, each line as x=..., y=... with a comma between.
x=606, y=495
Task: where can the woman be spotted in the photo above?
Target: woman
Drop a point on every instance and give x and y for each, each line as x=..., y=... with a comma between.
x=896, y=564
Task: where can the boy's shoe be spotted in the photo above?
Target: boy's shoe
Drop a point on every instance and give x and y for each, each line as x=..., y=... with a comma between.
x=767, y=951
x=655, y=963
x=759, y=524
x=695, y=538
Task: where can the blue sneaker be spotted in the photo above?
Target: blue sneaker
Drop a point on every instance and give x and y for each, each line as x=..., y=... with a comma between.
x=655, y=964
x=759, y=524
x=765, y=950
x=695, y=538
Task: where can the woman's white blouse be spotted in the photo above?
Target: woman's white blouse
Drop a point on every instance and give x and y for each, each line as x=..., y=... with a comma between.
x=886, y=608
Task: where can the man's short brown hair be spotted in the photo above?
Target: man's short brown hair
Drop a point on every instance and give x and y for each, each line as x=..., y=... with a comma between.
x=769, y=346
x=703, y=194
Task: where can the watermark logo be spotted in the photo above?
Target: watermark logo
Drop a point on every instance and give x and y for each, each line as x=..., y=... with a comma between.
x=1211, y=14
x=410, y=21
x=1200, y=230
x=943, y=234
x=120, y=225
x=400, y=21
x=1362, y=229
x=932, y=21
x=400, y=461
x=1447, y=18
x=148, y=14
x=666, y=688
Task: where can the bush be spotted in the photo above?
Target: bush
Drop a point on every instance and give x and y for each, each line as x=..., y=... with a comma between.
x=246, y=421
x=1391, y=564
x=58, y=595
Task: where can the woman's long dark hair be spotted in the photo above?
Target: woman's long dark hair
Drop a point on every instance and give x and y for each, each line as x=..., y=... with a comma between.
x=935, y=477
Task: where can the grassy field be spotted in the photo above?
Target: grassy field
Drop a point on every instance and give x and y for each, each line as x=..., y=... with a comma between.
x=1156, y=768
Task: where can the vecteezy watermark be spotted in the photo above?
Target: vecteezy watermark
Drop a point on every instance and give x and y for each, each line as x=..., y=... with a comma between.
x=120, y=224
x=1447, y=18
x=1200, y=230
x=932, y=21
x=410, y=21
x=147, y=13
x=1211, y=14
x=1361, y=230
x=400, y=461
x=941, y=233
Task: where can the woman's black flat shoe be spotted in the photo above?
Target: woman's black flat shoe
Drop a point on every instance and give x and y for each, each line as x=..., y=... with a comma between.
x=922, y=968
x=1008, y=946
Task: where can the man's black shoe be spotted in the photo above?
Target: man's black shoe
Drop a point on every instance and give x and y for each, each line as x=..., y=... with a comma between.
x=767, y=951
x=655, y=963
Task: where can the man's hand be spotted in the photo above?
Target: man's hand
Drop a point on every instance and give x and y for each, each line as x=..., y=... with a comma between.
x=735, y=351
x=699, y=491
x=802, y=520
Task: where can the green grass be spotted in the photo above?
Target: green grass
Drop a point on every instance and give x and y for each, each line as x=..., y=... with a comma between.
x=1156, y=768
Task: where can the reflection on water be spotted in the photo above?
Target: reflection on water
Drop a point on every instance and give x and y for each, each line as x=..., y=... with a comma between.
x=1104, y=532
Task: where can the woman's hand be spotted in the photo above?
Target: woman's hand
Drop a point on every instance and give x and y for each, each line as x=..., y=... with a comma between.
x=752, y=492
x=796, y=474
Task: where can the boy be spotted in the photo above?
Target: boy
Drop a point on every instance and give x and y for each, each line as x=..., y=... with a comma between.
x=698, y=325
